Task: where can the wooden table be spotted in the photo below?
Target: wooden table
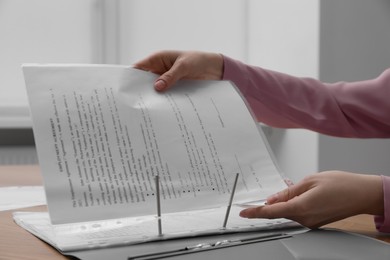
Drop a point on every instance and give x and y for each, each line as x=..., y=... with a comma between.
x=16, y=243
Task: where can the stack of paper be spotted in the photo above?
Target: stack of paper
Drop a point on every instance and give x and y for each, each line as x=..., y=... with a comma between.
x=103, y=133
x=16, y=197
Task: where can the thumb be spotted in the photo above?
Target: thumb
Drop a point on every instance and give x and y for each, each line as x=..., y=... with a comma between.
x=169, y=78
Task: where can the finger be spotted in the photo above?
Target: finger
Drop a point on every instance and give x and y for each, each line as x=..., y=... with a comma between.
x=278, y=210
x=289, y=211
x=144, y=64
x=288, y=193
x=155, y=62
x=158, y=62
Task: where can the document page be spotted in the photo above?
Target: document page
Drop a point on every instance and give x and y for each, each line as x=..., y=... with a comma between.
x=102, y=133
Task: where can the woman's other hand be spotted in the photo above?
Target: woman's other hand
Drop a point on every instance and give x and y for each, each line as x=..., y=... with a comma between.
x=323, y=198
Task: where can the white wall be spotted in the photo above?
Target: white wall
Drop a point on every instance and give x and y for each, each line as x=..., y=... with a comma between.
x=151, y=25
x=40, y=31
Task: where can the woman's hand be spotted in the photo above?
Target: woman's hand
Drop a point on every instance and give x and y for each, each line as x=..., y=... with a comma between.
x=176, y=65
x=323, y=198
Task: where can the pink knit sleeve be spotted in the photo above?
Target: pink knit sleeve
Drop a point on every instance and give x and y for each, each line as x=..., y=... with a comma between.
x=383, y=222
x=344, y=109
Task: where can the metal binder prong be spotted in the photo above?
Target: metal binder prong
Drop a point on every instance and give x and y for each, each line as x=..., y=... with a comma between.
x=230, y=202
x=157, y=180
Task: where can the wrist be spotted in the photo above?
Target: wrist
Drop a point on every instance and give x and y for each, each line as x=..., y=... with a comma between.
x=375, y=200
x=215, y=65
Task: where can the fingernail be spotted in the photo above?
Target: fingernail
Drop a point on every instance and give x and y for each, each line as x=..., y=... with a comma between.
x=159, y=84
x=243, y=214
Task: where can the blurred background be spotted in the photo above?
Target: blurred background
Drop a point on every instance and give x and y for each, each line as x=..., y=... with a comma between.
x=332, y=40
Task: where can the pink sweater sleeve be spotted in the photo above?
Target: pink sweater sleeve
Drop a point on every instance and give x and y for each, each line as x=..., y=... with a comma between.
x=344, y=109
